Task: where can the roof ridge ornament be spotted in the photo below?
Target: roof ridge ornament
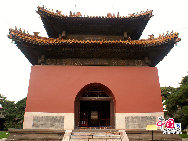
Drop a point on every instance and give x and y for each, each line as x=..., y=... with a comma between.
x=36, y=34
x=43, y=10
x=19, y=35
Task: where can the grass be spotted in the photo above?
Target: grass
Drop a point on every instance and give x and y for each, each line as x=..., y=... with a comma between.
x=183, y=135
x=3, y=134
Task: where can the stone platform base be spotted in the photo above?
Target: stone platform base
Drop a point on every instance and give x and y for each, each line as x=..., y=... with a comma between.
x=36, y=134
x=57, y=135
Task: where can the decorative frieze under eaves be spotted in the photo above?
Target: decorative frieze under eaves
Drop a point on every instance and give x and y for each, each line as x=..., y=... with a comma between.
x=93, y=62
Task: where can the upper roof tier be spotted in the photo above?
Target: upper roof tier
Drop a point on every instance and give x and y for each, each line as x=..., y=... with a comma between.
x=75, y=24
x=152, y=49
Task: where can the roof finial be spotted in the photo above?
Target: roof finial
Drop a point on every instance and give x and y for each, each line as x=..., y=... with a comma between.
x=109, y=15
x=70, y=13
x=151, y=36
x=118, y=14
x=36, y=34
x=78, y=14
x=129, y=38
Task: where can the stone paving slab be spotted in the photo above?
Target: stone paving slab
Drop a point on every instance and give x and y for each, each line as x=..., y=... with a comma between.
x=108, y=137
x=113, y=139
x=104, y=139
x=97, y=139
x=80, y=137
x=93, y=133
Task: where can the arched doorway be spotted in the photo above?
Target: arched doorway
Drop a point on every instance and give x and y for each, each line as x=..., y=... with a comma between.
x=94, y=107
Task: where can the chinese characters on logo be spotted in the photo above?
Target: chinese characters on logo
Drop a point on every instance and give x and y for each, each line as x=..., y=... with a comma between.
x=169, y=126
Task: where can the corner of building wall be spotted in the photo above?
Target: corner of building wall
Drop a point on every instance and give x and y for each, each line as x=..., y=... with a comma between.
x=28, y=120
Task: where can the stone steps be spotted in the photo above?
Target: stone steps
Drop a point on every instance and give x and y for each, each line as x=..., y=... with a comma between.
x=99, y=136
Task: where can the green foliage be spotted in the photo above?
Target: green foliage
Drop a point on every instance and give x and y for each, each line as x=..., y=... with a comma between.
x=184, y=80
x=14, y=113
x=183, y=135
x=182, y=100
x=182, y=116
x=166, y=91
x=4, y=134
x=20, y=110
x=9, y=113
x=177, y=102
x=168, y=94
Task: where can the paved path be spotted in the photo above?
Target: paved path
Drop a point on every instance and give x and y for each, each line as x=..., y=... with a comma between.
x=3, y=139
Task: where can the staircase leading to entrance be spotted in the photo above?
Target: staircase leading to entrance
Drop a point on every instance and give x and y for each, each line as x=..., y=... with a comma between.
x=96, y=135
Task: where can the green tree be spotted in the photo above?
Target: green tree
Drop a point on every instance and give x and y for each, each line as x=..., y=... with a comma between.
x=14, y=113
x=177, y=102
x=184, y=80
x=9, y=113
x=166, y=91
x=182, y=100
x=20, y=110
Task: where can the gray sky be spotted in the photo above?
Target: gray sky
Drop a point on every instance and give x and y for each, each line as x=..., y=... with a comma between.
x=15, y=68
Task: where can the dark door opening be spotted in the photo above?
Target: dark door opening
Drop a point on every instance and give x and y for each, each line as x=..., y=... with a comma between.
x=94, y=107
x=94, y=114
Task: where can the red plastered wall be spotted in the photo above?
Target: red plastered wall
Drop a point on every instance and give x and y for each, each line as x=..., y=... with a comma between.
x=54, y=88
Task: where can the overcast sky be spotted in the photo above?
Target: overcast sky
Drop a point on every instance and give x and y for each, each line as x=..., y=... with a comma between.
x=15, y=68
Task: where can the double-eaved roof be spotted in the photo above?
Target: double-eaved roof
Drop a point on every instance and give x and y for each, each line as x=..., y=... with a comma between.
x=58, y=47
x=55, y=23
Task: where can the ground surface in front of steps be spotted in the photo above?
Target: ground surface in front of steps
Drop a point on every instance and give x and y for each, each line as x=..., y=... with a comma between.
x=92, y=135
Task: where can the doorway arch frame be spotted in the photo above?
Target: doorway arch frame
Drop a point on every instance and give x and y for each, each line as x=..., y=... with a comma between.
x=78, y=98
